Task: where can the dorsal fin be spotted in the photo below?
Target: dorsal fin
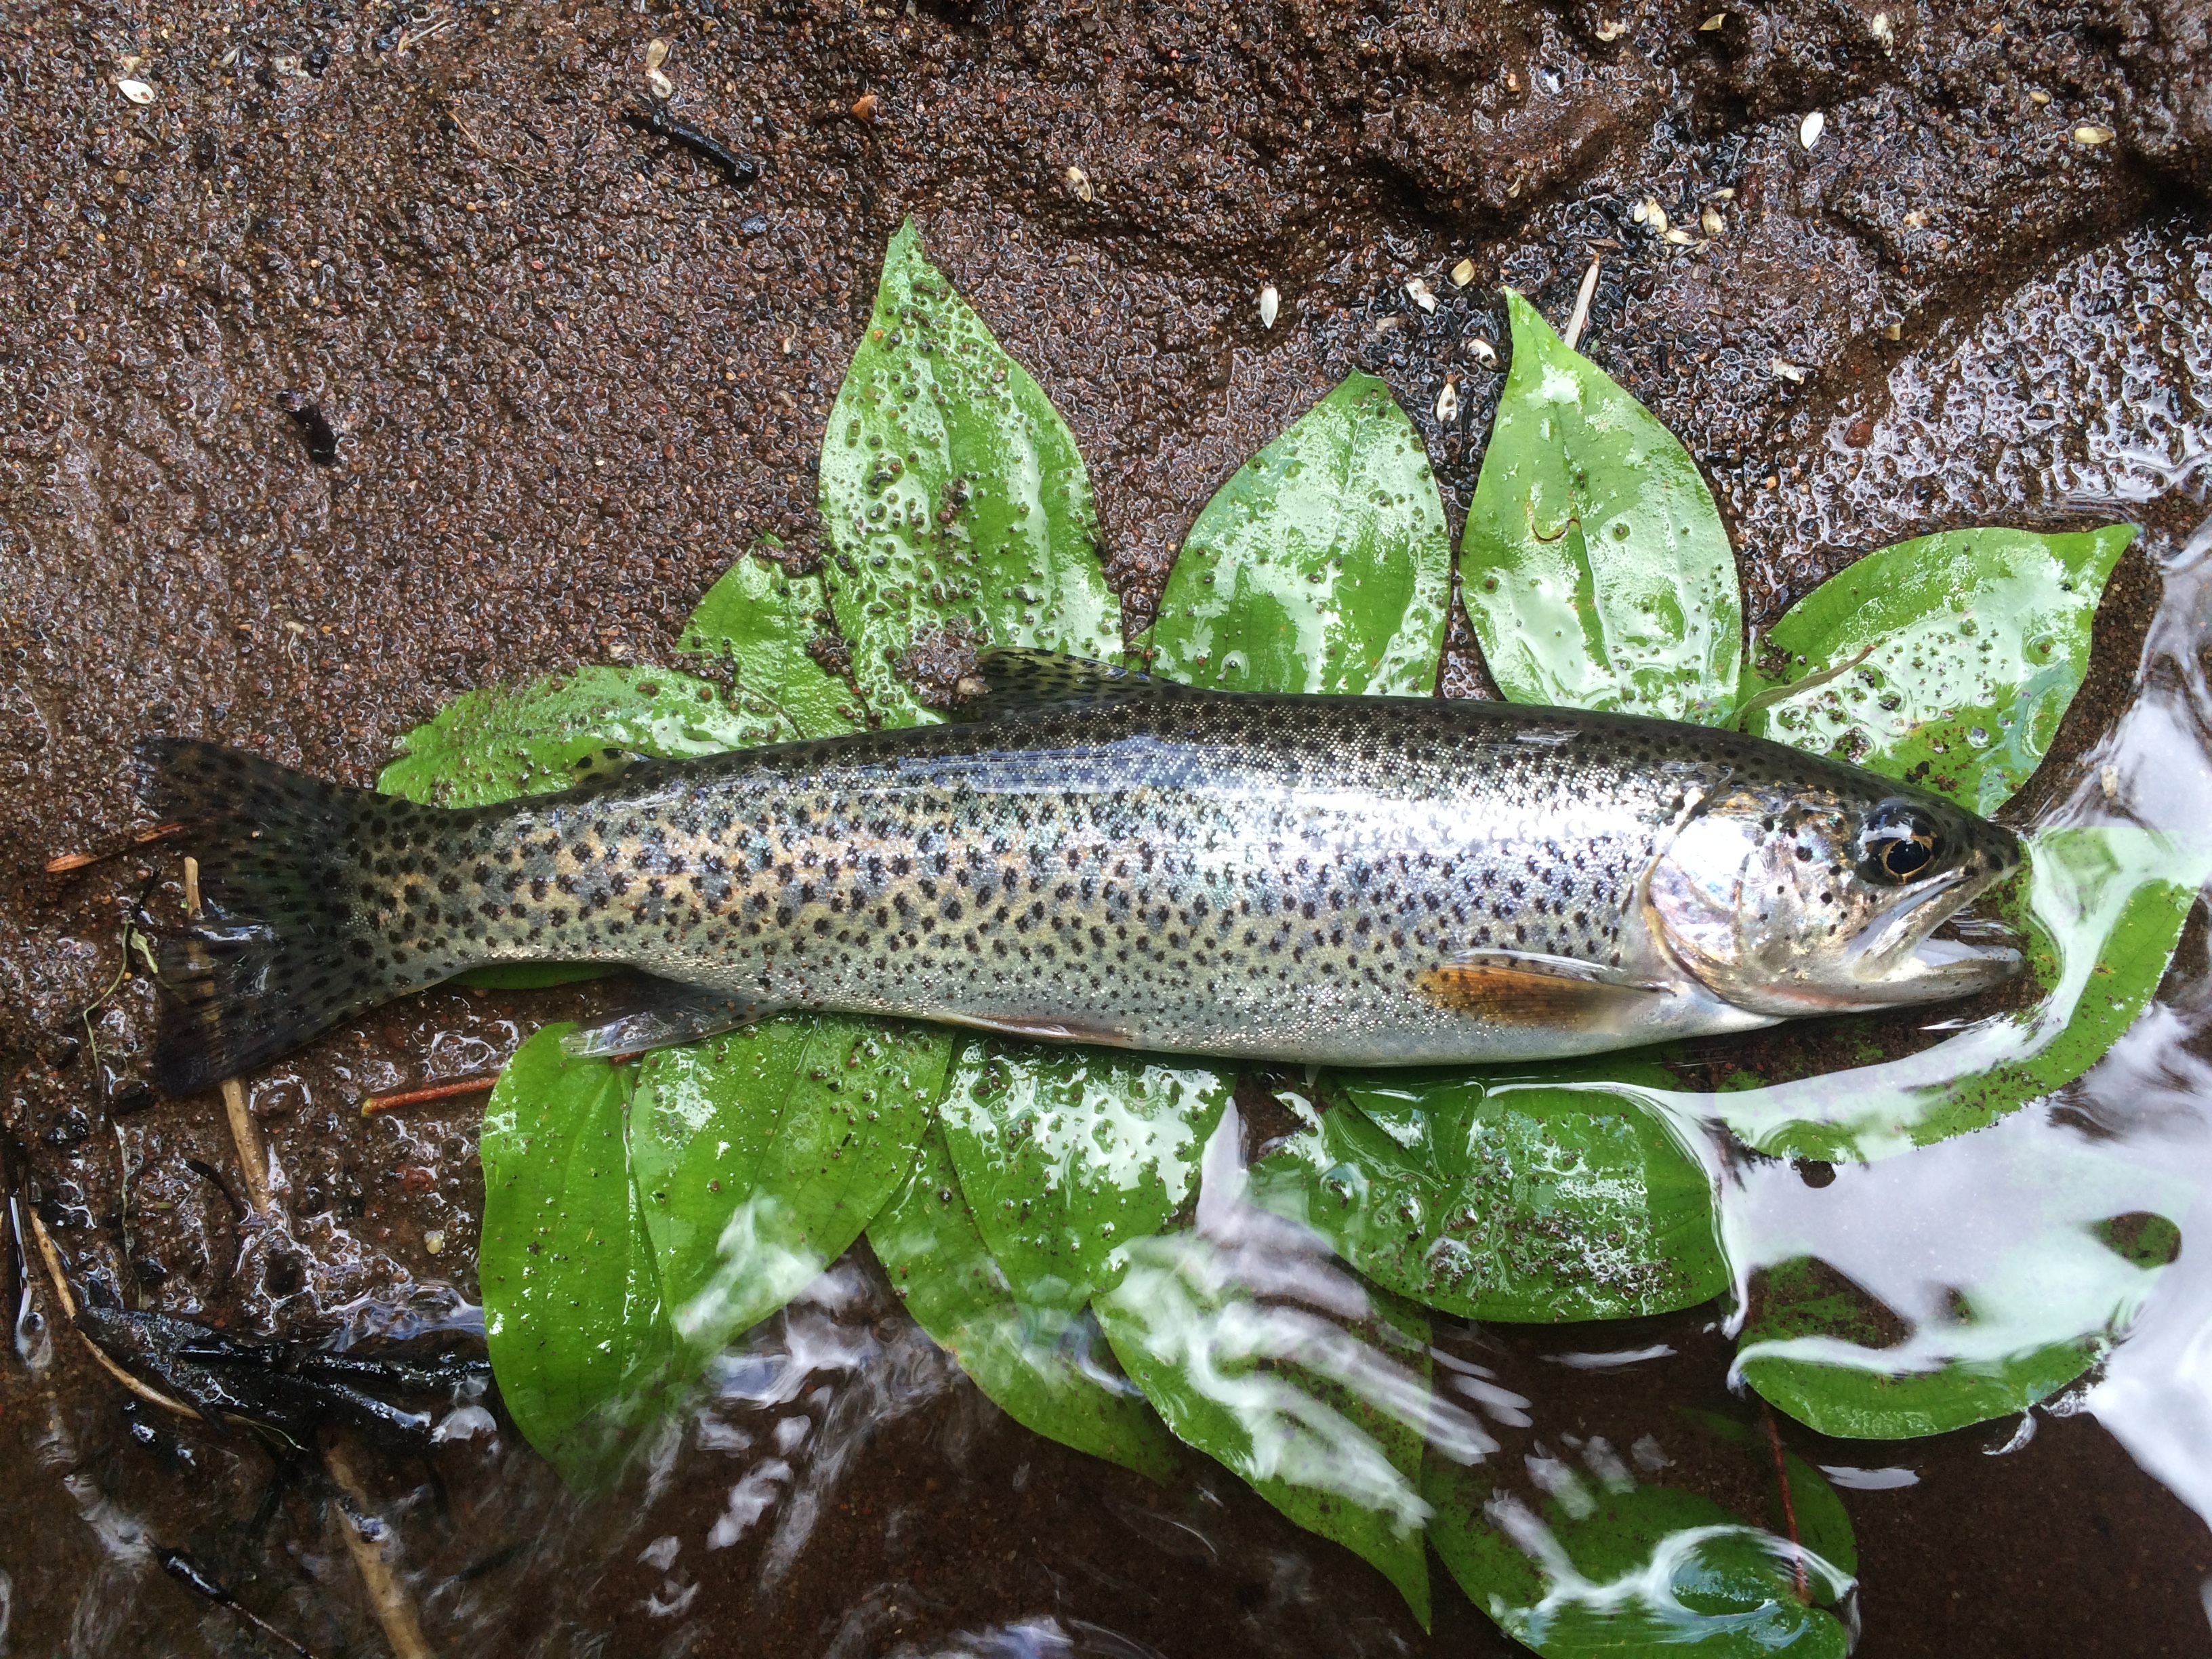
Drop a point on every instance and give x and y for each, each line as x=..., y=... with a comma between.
x=1011, y=679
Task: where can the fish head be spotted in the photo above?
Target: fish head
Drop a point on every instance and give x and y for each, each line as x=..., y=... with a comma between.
x=1824, y=897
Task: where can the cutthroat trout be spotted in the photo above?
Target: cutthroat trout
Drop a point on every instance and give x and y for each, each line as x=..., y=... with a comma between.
x=1102, y=857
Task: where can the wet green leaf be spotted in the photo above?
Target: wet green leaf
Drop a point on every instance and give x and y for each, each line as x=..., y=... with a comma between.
x=762, y=619
x=1609, y=1567
x=953, y=494
x=1534, y=1203
x=1324, y=563
x=495, y=745
x=1867, y=1387
x=1262, y=1352
x=1815, y=1512
x=2109, y=905
x=1973, y=643
x=1067, y=1154
x=1595, y=568
x=572, y=1304
x=763, y=1154
x=1045, y=1364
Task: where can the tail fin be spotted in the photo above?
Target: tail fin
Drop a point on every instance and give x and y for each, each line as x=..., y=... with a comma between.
x=286, y=945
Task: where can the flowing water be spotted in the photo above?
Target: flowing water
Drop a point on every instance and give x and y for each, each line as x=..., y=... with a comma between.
x=836, y=1487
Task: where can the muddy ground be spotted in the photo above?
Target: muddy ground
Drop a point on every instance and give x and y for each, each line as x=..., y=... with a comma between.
x=566, y=371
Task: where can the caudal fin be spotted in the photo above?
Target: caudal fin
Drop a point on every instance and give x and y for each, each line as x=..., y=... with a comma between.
x=286, y=945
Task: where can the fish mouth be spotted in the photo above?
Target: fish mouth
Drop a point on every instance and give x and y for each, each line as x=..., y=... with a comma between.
x=1922, y=950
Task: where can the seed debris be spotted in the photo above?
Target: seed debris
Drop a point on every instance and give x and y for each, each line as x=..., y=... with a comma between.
x=1482, y=351
x=1611, y=28
x=1448, y=404
x=1462, y=273
x=1078, y=184
x=2089, y=133
x=1810, y=129
x=1580, y=317
x=1713, y=22
x=1270, y=303
x=136, y=91
x=1418, y=292
x=1787, y=371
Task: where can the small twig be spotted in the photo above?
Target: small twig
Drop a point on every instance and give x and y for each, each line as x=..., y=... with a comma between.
x=61, y=1294
x=395, y=1609
x=472, y=1085
x=245, y=1128
x=186, y=1571
x=1788, y=1507
x=67, y=862
x=652, y=117
x=1581, y=317
x=1775, y=693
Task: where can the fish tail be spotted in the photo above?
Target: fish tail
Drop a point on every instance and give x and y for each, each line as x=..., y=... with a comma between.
x=297, y=930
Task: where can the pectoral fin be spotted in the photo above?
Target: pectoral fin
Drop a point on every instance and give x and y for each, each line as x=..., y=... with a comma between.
x=683, y=1013
x=1514, y=987
x=1043, y=1029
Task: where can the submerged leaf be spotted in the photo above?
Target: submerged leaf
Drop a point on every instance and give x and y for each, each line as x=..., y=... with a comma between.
x=1045, y=1364
x=1818, y=1348
x=760, y=618
x=763, y=1154
x=1595, y=567
x=1261, y=1352
x=954, y=497
x=1067, y=1155
x=1324, y=563
x=1524, y=1203
x=572, y=1304
x=1632, y=1570
x=1973, y=643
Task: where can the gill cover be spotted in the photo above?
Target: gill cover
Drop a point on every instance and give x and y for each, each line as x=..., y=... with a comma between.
x=1792, y=901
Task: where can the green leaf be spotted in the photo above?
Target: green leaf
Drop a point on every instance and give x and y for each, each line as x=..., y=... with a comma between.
x=1536, y=1203
x=1595, y=568
x=762, y=619
x=952, y=494
x=1822, y=1524
x=1324, y=563
x=1630, y=1569
x=1065, y=1155
x=1262, y=1352
x=495, y=745
x=763, y=1154
x=1866, y=1388
x=2110, y=902
x=1046, y=1364
x=1974, y=643
x=572, y=1304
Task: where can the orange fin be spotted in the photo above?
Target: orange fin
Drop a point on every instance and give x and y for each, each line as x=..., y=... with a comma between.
x=1517, y=990
x=1042, y=1030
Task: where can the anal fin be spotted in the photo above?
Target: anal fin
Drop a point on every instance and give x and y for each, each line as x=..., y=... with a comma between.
x=1519, y=988
x=682, y=1013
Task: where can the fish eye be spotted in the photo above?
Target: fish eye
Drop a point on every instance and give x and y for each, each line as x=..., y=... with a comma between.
x=1898, y=842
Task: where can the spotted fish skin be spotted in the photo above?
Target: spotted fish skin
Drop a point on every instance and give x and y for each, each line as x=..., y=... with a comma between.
x=1273, y=877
